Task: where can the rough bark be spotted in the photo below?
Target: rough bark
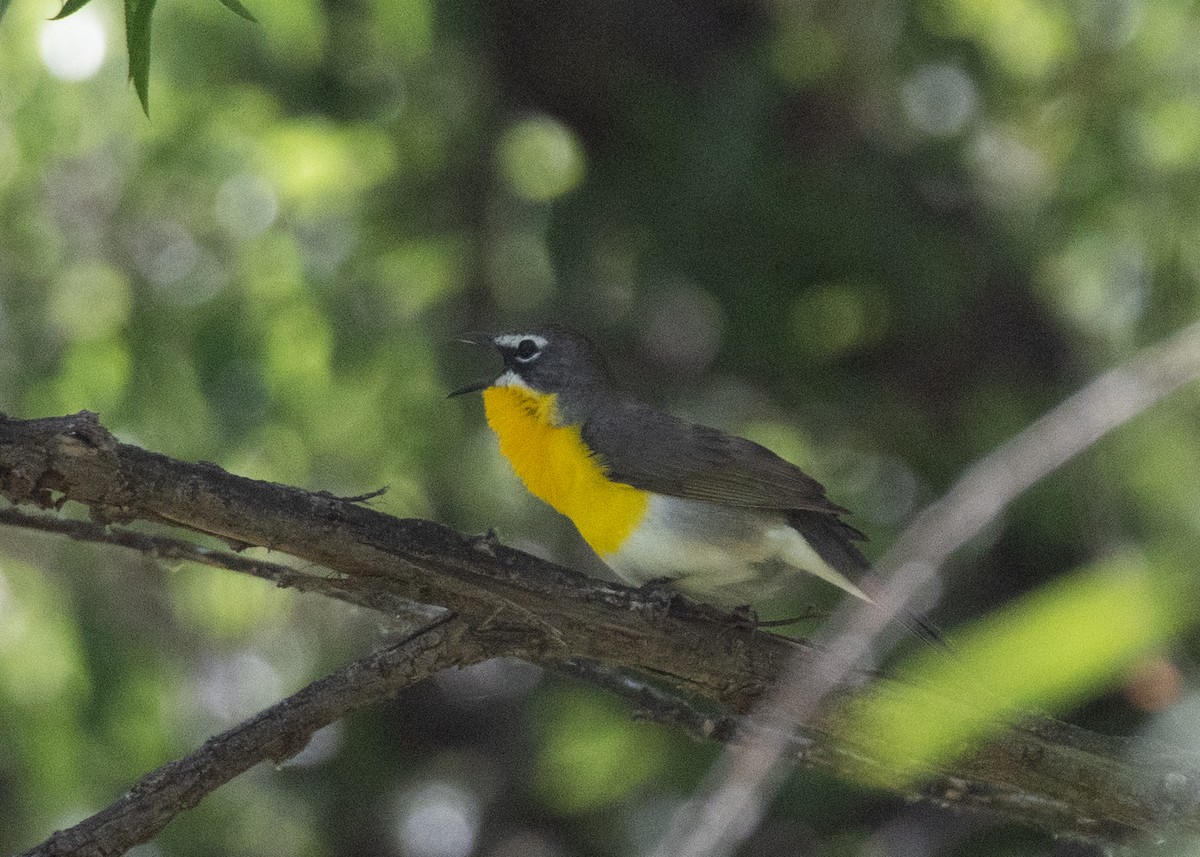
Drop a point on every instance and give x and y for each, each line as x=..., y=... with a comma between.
x=707, y=669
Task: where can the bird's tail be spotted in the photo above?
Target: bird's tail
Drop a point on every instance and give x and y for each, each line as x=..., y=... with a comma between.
x=834, y=541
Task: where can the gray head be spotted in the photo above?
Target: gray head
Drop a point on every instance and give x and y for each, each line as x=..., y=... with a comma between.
x=550, y=360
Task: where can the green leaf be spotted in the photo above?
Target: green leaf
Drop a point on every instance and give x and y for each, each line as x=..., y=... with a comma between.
x=237, y=8
x=137, y=40
x=70, y=8
x=4, y=7
x=1050, y=650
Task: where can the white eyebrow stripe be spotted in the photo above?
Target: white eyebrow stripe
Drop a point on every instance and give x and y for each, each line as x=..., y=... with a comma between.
x=512, y=340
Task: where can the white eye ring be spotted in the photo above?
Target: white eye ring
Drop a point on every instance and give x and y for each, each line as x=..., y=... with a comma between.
x=525, y=345
x=516, y=340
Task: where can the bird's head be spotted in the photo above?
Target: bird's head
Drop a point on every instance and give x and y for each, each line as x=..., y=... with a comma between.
x=556, y=360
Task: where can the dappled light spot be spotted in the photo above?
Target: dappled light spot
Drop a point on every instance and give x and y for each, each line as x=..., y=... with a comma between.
x=1028, y=39
x=1100, y=282
x=326, y=242
x=1014, y=174
x=408, y=25
x=246, y=205
x=436, y=819
x=783, y=439
x=318, y=164
x=884, y=488
x=838, y=318
x=802, y=50
x=321, y=747
x=235, y=687
x=298, y=348
x=592, y=754
x=418, y=272
x=940, y=99
x=165, y=253
x=34, y=618
x=74, y=48
x=294, y=34
x=1168, y=133
x=540, y=159
x=225, y=605
x=488, y=683
x=92, y=375
x=277, y=453
x=683, y=328
x=89, y=300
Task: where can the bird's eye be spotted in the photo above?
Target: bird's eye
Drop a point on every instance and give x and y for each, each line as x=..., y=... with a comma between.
x=527, y=349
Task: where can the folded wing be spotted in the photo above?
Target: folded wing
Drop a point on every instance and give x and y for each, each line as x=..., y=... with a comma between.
x=657, y=452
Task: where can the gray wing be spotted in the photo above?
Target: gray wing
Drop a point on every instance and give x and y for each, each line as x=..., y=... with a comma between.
x=655, y=451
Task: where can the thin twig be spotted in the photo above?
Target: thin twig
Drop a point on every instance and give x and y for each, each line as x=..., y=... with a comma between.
x=177, y=550
x=999, y=800
x=732, y=801
x=651, y=701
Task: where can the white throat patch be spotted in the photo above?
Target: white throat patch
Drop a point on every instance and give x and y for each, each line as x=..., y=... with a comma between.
x=511, y=379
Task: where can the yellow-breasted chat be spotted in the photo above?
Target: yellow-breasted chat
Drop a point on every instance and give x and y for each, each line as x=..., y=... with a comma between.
x=725, y=520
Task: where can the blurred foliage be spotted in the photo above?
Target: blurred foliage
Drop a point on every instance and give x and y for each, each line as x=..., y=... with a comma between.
x=1084, y=632
x=590, y=752
x=877, y=237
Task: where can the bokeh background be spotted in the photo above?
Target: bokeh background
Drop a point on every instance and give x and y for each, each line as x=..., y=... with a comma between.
x=879, y=237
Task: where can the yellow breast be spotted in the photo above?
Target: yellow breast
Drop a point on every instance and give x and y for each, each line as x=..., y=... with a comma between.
x=556, y=465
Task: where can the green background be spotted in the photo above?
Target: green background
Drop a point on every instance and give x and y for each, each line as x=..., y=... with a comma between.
x=879, y=237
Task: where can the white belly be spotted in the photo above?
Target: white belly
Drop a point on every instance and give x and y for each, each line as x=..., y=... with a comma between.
x=721, y=555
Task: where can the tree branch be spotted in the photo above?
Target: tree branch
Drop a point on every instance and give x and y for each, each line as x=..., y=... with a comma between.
x=505, y=601
x=1056, y=755
x=740, y=786
x=383, y=559
x=274, y=734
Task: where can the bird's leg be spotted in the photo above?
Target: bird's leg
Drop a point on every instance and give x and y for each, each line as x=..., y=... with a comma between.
x=659, y=595
x=485, y=542
x=745, y=617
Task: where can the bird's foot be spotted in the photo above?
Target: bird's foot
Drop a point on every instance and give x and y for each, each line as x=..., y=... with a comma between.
x=745, y=617
x=739, y=620
x=485, y=542
x=658, y=596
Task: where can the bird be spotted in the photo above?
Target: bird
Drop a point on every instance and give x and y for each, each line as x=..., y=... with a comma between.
x=659, y=499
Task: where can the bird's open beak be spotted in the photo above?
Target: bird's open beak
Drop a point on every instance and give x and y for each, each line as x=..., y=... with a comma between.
x=476, y=337
x=471, y=338
x=470, y=388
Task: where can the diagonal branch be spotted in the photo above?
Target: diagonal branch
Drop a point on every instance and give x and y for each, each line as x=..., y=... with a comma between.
x=740, y=787
x=274, y=734
x=505, y=601
x=49, y=461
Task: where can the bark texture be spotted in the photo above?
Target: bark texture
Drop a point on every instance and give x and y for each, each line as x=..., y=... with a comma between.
x=471, y=599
